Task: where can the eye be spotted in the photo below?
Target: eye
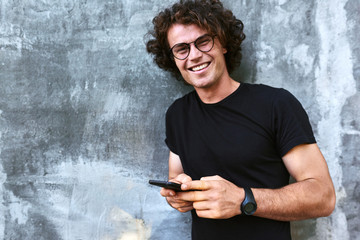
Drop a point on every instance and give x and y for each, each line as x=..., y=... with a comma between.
x=180, y=49
x=203, y=41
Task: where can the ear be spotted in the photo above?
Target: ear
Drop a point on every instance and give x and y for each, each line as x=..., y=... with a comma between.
x=224, y=50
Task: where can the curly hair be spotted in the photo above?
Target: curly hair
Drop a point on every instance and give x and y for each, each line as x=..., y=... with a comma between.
x=209, y=15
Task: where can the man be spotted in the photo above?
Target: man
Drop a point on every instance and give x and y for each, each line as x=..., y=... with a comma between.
x=234, y=145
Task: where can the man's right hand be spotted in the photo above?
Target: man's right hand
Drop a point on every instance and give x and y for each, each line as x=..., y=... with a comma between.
x=171, y=198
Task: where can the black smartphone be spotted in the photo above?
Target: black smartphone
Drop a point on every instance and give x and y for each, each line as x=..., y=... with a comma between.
x=165, y=184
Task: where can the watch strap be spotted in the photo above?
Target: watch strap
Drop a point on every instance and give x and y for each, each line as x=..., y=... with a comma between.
x=249, y=198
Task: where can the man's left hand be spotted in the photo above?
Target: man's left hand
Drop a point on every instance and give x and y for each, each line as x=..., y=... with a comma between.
x=216, y=197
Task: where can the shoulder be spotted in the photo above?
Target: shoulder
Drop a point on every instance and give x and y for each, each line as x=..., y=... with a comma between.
x=270, y=99
x=263, y=89
x=265, y=94
x=181, y=104
x=268, y=92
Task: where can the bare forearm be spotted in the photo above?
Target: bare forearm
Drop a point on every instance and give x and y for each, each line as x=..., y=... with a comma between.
x=297, y=201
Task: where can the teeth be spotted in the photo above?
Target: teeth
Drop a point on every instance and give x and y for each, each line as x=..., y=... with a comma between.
x=198, y=68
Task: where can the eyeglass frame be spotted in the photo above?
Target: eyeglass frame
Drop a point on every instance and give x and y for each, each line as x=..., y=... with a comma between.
x=194, y=42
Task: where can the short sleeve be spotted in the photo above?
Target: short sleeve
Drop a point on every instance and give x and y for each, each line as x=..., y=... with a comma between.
x=291, y=122
x=170, y=134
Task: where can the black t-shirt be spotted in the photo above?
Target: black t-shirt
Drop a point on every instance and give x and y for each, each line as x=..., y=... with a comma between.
x=242, y=139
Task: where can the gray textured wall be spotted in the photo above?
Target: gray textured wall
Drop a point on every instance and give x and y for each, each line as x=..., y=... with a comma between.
x=82, y=112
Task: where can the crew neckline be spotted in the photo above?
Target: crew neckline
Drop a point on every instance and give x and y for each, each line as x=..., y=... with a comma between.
x=221, y=101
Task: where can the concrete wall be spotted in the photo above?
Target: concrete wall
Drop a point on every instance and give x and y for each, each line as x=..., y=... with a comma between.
x=82, y=112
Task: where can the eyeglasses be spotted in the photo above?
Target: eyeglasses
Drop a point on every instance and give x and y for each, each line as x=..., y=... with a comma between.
x=203, y=43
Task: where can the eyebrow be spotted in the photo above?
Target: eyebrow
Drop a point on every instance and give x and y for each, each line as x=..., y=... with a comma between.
x=187, y=43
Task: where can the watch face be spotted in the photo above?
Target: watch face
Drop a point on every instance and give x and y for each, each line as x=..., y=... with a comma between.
x=249, y=208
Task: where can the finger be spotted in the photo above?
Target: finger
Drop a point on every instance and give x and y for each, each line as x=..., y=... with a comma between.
x=184, y=204
x=201, y=206
x=185, y=209
x=196, y=185
x=167, y=192
x=191, y=196
x=178, y=201
x=182, y=178
x=208, y=214
x=179, y=204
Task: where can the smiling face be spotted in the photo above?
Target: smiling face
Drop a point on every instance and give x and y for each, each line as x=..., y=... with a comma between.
x=200, y=69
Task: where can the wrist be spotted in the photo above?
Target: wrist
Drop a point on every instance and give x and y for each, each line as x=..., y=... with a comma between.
x=240, y=198
x=248, y=206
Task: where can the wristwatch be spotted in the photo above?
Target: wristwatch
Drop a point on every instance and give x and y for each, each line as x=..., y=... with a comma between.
x=248, y=206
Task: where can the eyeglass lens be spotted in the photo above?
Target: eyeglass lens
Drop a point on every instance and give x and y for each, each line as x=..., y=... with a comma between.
x=204, y=44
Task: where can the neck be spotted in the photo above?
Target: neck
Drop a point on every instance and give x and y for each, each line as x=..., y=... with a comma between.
x=217, y=92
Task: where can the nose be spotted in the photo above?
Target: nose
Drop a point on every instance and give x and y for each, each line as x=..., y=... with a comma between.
x=194, y=52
